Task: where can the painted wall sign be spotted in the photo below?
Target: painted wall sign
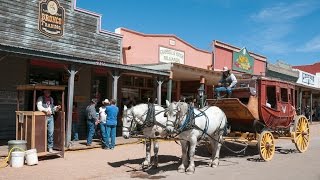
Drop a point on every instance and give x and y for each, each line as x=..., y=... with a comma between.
x=51, y=18
x=167, y=55
x=242, y=61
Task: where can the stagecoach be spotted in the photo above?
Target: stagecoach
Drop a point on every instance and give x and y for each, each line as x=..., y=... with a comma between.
x=261, y=110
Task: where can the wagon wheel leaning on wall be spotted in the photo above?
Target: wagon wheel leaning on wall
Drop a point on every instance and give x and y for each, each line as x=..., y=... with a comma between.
x=301, y=133
x=266, y=145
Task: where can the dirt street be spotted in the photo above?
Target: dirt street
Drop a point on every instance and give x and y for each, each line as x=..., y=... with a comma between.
x=124, y=162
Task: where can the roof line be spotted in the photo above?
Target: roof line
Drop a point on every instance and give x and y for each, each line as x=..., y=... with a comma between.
x=99, y=16
x=234, y=48
x=164, y=35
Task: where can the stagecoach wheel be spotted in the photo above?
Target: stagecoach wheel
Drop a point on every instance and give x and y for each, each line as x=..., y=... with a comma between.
x=302, y=133
x=266, y=145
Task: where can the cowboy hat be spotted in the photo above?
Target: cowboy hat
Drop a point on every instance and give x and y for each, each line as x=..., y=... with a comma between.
x=106, y=101
x=225, y=69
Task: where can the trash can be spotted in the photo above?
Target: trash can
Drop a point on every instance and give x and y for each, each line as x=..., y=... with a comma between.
x=19, y=145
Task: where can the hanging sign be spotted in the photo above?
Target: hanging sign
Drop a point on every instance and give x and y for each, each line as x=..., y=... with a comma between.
x=51, y=18
x=242, y=61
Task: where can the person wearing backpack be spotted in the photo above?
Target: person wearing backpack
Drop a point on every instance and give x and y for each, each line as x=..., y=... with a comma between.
x=103, y=122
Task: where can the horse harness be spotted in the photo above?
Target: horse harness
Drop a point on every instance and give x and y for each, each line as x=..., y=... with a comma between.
x=190, y=124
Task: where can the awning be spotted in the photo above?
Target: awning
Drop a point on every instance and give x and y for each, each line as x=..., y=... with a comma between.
x=52, y=56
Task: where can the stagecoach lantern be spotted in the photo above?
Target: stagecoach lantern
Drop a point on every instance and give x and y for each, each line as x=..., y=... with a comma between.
x=201, y=91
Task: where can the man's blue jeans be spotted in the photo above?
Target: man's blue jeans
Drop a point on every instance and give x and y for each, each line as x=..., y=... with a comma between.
x=75, y=131
x=103, y=129
x=222, y=89
x=111, y=132
x=90, y=125
x=50, y=127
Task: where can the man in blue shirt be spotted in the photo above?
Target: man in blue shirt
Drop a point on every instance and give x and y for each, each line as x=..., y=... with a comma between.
x=112, y=119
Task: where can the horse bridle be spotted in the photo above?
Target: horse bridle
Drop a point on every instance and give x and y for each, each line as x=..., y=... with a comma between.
x=132, y=119
x=137, y=120
x=174, y=123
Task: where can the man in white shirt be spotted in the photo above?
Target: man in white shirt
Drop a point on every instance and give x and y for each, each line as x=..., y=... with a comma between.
x=103, y=122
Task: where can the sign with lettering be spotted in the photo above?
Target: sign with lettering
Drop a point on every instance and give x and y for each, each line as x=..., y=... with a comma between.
x=51, y=18
x=242, y=61
x=308, y=79
x=167, y=55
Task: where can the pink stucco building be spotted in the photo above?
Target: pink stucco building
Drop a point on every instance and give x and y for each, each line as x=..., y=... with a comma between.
x=225, y=55
x=189, y=66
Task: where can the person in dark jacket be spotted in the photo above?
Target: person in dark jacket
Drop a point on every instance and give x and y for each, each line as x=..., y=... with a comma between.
x=92, y=120
x=112, y=118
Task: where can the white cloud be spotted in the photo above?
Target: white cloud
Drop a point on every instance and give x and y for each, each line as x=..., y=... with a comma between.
x=274, y=24
x=285, y=12
x=311, y=46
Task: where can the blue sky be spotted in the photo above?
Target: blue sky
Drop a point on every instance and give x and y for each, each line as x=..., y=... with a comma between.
x=287, y=30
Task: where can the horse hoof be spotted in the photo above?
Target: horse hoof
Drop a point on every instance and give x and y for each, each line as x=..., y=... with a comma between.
x=190, y=171
x=213, y=164
x=181, y=170
x=145, y=165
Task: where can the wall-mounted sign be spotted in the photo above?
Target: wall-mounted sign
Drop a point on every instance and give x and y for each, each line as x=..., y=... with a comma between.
x=308, y=79
x=242, y=61
x=167, y=55
x=51, y=18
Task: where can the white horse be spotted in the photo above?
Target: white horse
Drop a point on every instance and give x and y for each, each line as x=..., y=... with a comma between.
x=208, y=122
x=151, y=130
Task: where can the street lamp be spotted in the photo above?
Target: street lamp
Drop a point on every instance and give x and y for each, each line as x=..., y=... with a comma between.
x=201, y=94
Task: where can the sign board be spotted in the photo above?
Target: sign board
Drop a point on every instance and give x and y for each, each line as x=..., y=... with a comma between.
x=242, y=61
x=51, y=18
x=167, y=55
x=308, y=79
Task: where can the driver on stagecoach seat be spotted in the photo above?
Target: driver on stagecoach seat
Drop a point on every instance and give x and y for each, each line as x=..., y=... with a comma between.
x=226, y=83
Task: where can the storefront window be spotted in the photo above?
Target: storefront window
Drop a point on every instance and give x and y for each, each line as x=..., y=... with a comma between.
x=127, y=81
x=149, y=82
x=138, y=82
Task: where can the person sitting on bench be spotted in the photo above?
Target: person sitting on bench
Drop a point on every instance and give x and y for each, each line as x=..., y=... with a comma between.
x=226, y=83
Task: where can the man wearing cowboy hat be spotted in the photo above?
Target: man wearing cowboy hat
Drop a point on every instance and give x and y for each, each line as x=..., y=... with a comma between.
x=226, y=83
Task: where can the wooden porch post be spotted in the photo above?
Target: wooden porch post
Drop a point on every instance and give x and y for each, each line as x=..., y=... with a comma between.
x=178, y=92
x=115, y=76
x=72, y=73
x=159, y=82
x=169, y=87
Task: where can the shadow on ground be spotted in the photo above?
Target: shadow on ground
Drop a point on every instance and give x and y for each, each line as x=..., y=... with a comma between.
x=251, y=153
